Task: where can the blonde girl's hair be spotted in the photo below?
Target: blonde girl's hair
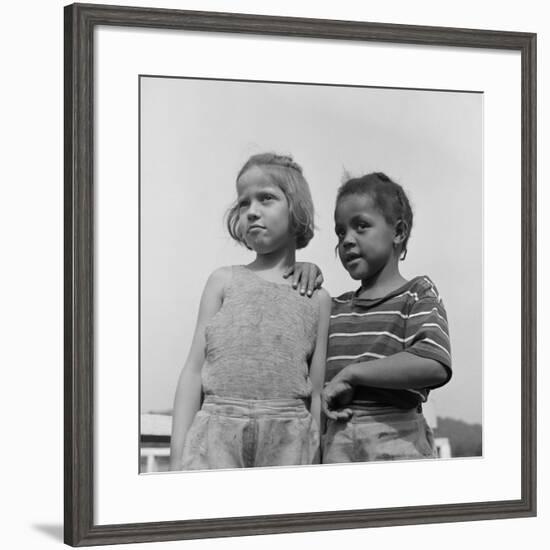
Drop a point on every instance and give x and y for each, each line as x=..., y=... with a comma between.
x=288, y=176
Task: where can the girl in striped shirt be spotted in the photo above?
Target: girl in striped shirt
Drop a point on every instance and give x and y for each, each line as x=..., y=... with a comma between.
x=388, y=340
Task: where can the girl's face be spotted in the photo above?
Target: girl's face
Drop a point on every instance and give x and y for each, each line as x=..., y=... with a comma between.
x=264, y=217
x=365, y=239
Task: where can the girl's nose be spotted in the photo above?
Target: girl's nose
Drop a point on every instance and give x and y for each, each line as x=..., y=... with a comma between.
x=348, y=240
x=252, y=213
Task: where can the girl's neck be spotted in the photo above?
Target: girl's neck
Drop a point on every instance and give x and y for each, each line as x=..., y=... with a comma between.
x=381, y=284
x=276, y=261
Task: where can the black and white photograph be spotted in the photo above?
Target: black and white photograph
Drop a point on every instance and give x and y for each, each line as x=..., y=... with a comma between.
x=300, y=261
x=274, y=274
x=310, y=274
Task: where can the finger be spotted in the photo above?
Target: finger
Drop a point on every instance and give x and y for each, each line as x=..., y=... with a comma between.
x=289, y=271
x=328, y=408
x=326, y=395
x=319, y=281
x=336, y=414
x=304, y=281
x=329, y=413
x=344, y=414
x=296, y=276
x=325, y=407
x=310, y=282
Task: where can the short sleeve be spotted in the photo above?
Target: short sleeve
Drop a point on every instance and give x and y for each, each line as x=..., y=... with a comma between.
x=427, y=332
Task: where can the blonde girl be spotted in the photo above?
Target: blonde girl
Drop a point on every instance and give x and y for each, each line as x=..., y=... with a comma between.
x=249, y=392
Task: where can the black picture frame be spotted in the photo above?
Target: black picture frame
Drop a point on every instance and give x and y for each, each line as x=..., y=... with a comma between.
x=79, y=23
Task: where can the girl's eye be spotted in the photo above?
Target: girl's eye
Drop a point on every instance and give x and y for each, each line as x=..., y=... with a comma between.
x=267, y=197
x=362, y=226
x=243, y=204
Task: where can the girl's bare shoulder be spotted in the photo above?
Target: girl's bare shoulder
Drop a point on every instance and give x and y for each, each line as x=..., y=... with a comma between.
x=220, y=278
x=325, y=301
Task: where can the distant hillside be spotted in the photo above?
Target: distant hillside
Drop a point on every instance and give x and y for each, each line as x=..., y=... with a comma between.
x=465, y=438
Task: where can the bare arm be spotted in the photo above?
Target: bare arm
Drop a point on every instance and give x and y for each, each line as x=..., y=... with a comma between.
x=402, y=370
x=318, y=359
x=188, y=392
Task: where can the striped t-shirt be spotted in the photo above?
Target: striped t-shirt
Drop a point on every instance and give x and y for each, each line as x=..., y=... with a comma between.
x=411, y=318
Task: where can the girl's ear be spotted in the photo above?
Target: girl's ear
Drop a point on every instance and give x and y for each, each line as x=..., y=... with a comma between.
x=401, y=232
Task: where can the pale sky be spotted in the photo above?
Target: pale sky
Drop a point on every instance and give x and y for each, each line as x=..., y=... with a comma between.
x=196, y=135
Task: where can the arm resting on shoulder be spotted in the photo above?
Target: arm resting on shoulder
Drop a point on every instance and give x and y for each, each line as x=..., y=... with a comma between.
x=307, y=276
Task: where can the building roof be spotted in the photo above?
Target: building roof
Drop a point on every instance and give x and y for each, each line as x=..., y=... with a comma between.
x=156, y=424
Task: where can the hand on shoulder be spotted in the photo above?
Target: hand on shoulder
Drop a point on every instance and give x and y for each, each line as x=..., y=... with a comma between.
x=306, y=277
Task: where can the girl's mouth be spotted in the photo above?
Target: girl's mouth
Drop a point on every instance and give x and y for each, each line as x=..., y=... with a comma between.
x=352, y=258
x=255, y=228
x=352, y=263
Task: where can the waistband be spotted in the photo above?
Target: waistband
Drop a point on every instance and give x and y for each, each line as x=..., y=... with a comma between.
x=231, y=406
x=385, y=414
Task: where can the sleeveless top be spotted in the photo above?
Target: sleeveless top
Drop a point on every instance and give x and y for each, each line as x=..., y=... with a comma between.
x=259, y=343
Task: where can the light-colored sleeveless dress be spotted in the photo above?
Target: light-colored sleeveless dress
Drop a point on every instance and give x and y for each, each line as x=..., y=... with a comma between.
x=256, y=379
x=259, y=343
